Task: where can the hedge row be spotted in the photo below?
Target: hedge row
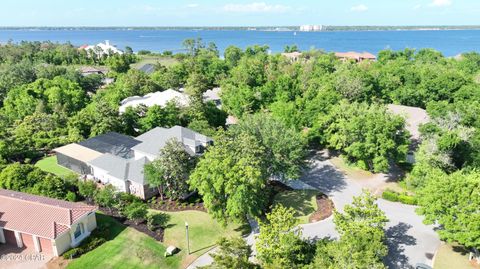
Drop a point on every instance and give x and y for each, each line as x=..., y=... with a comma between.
x=404, y=198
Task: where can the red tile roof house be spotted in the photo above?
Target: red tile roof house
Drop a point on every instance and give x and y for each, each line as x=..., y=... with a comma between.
x=356, y=56
x=43, y=224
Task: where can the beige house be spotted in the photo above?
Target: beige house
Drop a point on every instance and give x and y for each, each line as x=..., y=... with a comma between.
x=45, y=225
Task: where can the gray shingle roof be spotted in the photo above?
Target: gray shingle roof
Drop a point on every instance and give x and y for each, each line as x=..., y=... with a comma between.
x=155, y=139
x=114, y=165
x=135, y=171
x=113, y=143
x=147, y=68
x=125, y=169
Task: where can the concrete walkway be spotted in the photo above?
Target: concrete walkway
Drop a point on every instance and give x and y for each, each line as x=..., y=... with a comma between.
x=409, y=240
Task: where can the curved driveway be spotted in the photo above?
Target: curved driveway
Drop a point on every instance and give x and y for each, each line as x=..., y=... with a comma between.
x=409, y=240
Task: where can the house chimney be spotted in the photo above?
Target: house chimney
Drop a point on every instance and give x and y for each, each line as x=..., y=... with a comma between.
x=107, y=42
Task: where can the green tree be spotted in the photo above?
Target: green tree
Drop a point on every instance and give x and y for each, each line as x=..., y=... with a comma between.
x=451, y=201
x=20, y=177
x=284, y=147
x=136, y=211
x=279, y=242
x=170, y=171
x=232, y=253
x=106, y=196
x=362, y=237
x=231, y=178
x=369, y=136
x=87, y=189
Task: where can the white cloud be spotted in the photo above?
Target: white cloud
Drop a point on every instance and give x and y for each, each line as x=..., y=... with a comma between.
x=256, y=7
x=193, y=5
x=359, y=8
x=417, y=7
x=441, y=3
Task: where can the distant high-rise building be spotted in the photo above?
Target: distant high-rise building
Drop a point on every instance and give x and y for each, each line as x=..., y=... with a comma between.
x=311, y=28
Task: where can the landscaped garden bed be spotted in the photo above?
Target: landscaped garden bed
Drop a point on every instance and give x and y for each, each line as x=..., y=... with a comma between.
x=324, y=208
x=175, y=206
x=309, y=205
x=142, y=227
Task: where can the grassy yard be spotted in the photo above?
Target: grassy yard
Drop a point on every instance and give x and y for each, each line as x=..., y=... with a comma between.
x=452, y=256
x=49, y=164
x=351, y=170
x=132, y=249
x=203, y=233
x=303, y=202
x=127, y=248
x=149, y=59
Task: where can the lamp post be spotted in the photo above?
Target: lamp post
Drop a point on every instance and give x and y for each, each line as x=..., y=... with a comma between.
x=188, y=240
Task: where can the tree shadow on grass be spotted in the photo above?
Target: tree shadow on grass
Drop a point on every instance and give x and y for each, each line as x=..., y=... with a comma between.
x=203, y=248
x=300, y=201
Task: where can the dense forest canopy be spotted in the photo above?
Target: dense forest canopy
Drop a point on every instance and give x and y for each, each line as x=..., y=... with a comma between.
x=284, y=107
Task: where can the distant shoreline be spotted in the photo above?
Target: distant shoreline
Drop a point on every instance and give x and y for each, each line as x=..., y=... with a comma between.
x=326, y=28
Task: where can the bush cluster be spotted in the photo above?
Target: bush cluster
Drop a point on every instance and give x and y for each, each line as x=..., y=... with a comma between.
x=404, y=198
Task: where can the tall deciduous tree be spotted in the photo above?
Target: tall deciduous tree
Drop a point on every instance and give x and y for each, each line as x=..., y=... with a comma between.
x=362, y=237
x=279, y=243
x=452, y=202
x=231, y=178
x=170, y=171
x=369, y=136
x=284, y=147
x=232, y=253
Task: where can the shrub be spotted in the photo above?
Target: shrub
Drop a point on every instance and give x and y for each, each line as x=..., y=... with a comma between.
x=136, y=211
x=71, y=196
x=390, y=196
x=157, y=220
x=88, y=245
x=406, y=199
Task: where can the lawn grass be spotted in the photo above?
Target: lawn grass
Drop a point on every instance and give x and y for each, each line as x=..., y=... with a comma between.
x=204, y=233
x=49, y=164
x=349, y=169
x=153, y=59
x=304, y=203
x=127, y=249
x=452, y=256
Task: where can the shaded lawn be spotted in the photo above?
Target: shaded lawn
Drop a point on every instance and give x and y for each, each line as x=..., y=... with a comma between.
x=453, y=256
x=350, y=169
x=304, y=203
x=204, y=232
x=49, y=164
x=127, y=248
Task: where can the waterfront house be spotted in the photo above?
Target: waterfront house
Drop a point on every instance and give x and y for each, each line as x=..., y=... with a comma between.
x=356, y=56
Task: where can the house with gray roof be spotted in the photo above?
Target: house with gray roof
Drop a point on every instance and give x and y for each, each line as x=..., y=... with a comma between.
x=119, y=160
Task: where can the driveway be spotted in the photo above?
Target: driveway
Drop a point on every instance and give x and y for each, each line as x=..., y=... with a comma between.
x=15, y=258
x=409, y=240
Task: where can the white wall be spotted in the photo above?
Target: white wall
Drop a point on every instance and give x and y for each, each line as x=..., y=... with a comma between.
x=106, y=178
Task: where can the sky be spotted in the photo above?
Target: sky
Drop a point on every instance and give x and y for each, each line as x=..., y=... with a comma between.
x=237, y=12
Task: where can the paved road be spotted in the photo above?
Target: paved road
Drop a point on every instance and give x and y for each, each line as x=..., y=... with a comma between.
x=409, y=240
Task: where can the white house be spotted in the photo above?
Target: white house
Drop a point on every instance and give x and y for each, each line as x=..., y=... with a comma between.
x=155, y=98
x=162, y=98
x=102, y=48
